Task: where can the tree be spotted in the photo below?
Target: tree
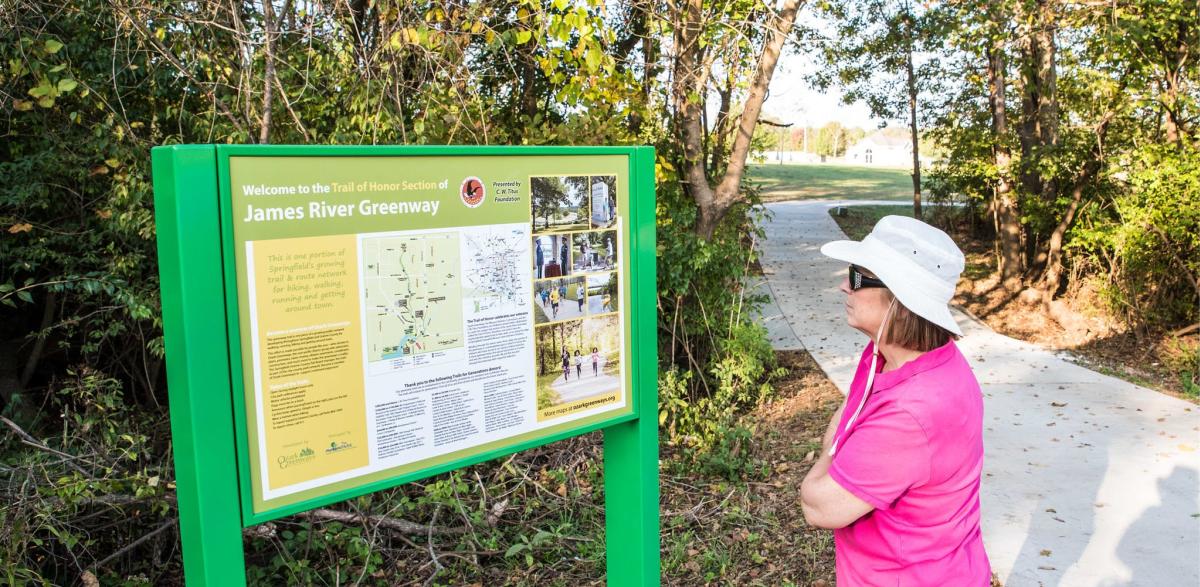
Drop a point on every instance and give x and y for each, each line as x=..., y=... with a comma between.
x=833, y=139
x=700, y=41
x=1060, y=106
x=872, y=58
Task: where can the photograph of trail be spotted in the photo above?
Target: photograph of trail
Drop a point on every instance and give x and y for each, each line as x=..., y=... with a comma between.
x=840, y=189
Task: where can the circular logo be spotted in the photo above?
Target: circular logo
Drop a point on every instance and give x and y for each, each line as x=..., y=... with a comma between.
x=471, y=192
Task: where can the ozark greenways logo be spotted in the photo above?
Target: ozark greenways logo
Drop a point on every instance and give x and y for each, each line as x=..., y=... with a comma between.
x=297, y=458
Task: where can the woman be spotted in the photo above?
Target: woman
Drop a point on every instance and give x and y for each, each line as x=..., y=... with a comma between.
x=578, y=364
x=898, y=478
x=595, y=361
x=566, y=364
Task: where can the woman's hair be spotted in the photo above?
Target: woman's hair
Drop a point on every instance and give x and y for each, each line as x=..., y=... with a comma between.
x=913, y=332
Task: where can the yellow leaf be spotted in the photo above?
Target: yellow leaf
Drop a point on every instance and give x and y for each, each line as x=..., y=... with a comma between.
x=19, y=228
x=22, y=105
x=112, y=163
x=105, y=214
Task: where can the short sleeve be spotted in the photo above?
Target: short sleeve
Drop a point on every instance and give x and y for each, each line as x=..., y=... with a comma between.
x=886, y=454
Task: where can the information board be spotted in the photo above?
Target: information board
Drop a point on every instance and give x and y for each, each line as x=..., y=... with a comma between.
x=391, y=313
x=399, y=312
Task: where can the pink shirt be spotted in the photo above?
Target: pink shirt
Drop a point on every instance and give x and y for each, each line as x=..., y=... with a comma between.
x=915, y=454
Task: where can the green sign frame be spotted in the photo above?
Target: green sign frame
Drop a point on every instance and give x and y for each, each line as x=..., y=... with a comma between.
x=204, y=362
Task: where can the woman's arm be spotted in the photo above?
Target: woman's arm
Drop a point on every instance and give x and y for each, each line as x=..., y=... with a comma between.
x=825, y=503
x=831, y=429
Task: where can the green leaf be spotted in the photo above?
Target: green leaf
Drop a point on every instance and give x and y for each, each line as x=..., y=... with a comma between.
x=67, y=84
x=46, y=101
x=516, y=548
x=592, y=59
x=53, y=46
x=25, y=297
x=42, y=89
x=523, y=37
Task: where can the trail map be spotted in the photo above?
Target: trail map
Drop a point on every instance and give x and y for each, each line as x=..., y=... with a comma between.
x=413, y=295
x=495, y=274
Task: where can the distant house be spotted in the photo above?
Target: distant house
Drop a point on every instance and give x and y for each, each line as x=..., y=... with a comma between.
x=883, y=149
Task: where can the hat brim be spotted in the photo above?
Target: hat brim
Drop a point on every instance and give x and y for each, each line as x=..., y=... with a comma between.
x=897, y=276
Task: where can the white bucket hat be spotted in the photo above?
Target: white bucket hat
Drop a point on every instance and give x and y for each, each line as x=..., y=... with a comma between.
x=918, y=263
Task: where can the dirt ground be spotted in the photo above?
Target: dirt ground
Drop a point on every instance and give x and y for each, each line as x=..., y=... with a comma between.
x=1158, y=360
x=754, y=533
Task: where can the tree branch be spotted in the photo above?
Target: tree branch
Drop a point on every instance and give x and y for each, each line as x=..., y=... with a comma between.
x=395, y=524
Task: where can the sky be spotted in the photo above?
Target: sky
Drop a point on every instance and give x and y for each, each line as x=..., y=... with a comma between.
x=791, y=100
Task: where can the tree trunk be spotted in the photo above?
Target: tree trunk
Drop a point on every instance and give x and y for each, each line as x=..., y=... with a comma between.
x=722, y=127
x=1052, y=277
x=1048, y=85
x=1047, y=116
x=912, y=120
x=687, y=110
x=1173, y=78
x=1028, y=131
x=49, y=312
x=264, y=129
x=713, y=203
x=1008, y=217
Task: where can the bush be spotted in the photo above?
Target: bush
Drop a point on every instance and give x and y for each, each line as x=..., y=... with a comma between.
x=1145, y=247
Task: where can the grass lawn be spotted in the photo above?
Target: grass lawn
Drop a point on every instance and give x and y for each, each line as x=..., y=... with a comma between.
x=546, y=396
x=857, y=221
x=831, y=182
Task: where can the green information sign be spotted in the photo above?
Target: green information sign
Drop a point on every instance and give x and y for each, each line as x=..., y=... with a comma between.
x=340, y=320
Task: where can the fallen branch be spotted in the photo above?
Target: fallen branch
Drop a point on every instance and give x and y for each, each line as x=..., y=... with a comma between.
x=1186, y=330
x=35, y=443
x=395, y=524
x=132, y=545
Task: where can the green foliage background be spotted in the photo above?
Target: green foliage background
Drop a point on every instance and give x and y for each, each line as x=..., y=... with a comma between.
x=89, y=87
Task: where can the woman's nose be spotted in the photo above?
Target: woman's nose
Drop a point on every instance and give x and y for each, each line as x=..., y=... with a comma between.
x=845, y=286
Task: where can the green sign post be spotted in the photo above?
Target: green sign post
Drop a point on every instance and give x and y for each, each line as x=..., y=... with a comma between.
x=341, y=320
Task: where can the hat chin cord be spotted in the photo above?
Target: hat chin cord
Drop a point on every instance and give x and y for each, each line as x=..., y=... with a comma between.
x=870, y=377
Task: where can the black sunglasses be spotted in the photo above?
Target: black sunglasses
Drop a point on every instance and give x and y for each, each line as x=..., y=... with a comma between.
x=859, y=281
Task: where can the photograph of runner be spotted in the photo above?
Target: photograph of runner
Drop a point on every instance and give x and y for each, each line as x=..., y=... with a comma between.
x=559, y=299
x=577, y=359
x=560, y=202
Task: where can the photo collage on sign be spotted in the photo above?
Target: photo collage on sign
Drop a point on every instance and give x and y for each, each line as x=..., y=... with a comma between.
x=575, y=288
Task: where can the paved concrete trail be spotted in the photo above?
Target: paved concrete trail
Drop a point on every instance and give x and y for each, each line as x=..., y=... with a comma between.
x=1088, y=480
